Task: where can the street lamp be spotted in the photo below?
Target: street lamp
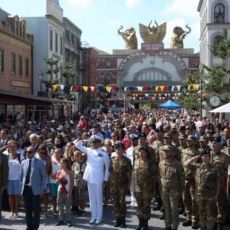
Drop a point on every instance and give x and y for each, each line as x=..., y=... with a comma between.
x=201, y=74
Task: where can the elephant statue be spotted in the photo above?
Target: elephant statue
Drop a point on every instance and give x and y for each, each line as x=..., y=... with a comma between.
x=129, y=36
x=179, y=36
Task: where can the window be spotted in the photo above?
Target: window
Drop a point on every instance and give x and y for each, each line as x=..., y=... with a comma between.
x=1, y=60
x=56, y=42
x=51, y=39
x=20, y=65
x=219, y=13
x=72, y=38
x=61, y=45
x=27, y=67
x=13, y=63
x=216, y=42
x=67, y=35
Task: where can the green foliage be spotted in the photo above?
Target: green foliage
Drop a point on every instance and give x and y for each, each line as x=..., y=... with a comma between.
x=191, y=101
x=52, y=66
x=215, y=75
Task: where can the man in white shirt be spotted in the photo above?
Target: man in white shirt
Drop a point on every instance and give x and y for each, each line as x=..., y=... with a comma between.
x=96, y=174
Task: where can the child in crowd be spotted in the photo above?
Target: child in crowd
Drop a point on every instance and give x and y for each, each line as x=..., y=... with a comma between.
x=78, y=168
x=65, y=180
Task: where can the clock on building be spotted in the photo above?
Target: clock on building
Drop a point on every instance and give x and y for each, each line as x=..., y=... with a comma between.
x=215, y=101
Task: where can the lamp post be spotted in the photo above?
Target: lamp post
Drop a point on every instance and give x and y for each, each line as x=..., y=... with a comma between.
x=201, y=74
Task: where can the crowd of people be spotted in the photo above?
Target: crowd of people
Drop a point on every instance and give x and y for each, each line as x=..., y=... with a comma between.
x=172, y=161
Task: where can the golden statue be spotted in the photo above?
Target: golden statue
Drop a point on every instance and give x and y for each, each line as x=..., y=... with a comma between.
x=129, y=36
x=179, y=36
x=154, y=34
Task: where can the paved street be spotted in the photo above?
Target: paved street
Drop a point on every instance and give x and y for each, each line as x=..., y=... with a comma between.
x=82, y=222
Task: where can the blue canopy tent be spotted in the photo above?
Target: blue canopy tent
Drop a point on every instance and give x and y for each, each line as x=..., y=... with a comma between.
x=170, y=104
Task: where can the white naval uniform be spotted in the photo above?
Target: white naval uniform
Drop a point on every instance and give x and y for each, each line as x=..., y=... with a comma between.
x=96, y=172
x=130, y=155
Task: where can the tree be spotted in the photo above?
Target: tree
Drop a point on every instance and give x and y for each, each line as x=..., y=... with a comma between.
x=190, y=98
x=215, y=76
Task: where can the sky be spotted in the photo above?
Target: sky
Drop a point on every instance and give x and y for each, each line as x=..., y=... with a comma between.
x=99, y=20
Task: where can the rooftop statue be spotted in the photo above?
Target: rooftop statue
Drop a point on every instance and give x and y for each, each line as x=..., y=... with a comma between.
x=154, y=34
x=129, y=36
x=179, y=36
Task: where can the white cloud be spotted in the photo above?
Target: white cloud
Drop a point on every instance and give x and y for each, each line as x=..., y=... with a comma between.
x=182, y=8
x=132, y=3
x=80, y=3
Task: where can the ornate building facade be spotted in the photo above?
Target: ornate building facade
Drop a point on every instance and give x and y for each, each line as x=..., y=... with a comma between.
x=138, y=72
x=214, y=19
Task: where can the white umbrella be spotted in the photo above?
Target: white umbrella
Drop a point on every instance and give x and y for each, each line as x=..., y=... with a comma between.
x=222, y=109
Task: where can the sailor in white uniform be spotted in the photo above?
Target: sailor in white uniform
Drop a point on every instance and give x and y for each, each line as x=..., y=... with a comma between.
x=96, y=173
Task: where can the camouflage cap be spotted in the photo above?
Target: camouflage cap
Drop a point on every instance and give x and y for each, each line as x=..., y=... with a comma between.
x=202, y=138
x=182, y=136
x=167, y=148
x=191, y=138
x=167, y=135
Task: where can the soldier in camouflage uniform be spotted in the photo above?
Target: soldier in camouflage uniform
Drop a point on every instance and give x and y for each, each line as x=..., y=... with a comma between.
x=189, y=188
x=120, y=175
x=226, y=150
x=203, y=142
x=156, y=146
x=220, y=160
x=172, y=182
x=207, y=187
x=144, y=174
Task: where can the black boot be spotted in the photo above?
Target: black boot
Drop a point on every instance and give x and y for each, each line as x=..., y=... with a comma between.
x=187, y=223
x=118, y=222
x=140, y=224
x=123, y=224
x=219, y=226
x=145, y=225
x=195, y=225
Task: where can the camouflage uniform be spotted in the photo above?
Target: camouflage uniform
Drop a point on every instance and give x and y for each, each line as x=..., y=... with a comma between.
x=220, y=161
x=144, y=177
x=120, y=172
x=172, y=180
x=226, y=151
x=206, y=178
x=189, y=187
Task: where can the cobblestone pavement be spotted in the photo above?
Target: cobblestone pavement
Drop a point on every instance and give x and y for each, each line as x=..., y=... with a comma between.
x=81, y=222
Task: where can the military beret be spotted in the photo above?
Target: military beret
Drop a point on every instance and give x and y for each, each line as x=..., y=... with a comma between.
x=142, y=148
x=119, y=145
x=167, y=135
x=191, y=138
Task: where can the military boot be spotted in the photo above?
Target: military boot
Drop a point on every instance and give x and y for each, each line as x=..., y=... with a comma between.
x=219, y=226
x=123, y=224
x=118, y=222
x=145, y=225
x=139, y=227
